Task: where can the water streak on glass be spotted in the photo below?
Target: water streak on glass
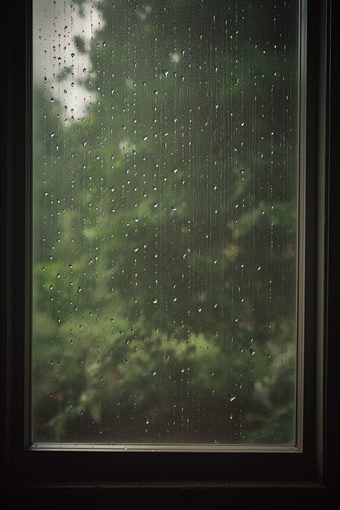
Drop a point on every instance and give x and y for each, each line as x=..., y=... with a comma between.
x=165, y=170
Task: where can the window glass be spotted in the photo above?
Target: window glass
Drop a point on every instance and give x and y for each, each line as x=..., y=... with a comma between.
x=165, y=177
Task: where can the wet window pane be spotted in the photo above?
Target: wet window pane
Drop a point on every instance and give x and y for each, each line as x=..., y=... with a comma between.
x=165, y=171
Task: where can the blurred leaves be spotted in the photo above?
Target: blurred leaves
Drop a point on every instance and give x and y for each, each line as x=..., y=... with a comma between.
x=165, y=232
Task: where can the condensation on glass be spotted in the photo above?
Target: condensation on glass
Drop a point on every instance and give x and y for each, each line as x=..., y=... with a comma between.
x=165, y=178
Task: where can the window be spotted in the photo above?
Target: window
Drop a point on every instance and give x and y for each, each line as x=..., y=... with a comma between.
x=270, y=465
x=164, y=238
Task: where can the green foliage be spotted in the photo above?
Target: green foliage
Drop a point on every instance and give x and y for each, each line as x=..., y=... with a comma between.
x=164, y=276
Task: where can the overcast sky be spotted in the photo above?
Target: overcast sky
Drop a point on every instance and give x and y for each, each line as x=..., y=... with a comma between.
x=55, y=24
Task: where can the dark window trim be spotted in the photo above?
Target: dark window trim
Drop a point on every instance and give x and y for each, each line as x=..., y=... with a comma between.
x=307, y=471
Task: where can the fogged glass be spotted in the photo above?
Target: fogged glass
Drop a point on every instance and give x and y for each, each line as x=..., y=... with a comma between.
x=165, y=170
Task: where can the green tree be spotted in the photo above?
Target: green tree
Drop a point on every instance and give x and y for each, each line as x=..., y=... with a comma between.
x=164, y=264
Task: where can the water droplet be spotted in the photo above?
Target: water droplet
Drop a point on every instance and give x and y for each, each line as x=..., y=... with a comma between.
x=165, y=72
x=52, y=134
x=154, y=300
x=153, y=372
x=231, y=397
